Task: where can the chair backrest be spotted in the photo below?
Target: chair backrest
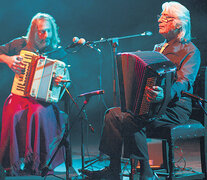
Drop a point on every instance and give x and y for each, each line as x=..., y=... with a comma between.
x=200, y=89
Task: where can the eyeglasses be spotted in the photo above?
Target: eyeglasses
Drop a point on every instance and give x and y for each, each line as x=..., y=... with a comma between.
x=165, y=18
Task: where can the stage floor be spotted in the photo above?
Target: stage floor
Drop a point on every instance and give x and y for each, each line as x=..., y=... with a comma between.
x=187, y=156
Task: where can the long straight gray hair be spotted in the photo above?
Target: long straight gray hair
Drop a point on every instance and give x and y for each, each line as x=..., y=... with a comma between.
x=176, y=9
x=33, y=27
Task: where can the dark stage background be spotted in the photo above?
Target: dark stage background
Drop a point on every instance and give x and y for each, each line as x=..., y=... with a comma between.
x=92, y=20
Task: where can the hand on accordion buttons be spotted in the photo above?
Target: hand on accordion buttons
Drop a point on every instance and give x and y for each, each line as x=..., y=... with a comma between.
x=154, y=94
x=16, y=64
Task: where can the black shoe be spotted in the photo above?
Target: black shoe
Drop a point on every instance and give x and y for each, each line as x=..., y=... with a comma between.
x=106, y=173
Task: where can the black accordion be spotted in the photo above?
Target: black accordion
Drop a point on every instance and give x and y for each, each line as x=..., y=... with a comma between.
x=136, y=70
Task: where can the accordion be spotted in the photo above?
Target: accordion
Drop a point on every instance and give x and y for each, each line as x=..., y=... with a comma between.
x=37, y=79
x=136, y=70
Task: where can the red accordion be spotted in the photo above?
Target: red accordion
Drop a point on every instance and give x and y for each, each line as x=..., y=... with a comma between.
x=136, y=70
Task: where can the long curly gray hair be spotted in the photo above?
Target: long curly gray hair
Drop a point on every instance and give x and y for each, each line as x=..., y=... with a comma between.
x=33, y=27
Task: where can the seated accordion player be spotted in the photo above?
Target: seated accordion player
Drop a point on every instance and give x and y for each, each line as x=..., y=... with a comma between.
x=136, y=70
x=37, y=79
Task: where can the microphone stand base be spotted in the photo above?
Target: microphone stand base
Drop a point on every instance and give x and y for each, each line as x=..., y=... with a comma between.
x=73, y=175
x=72, y=172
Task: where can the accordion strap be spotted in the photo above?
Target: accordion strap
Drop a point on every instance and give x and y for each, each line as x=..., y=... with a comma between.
x=167, y=94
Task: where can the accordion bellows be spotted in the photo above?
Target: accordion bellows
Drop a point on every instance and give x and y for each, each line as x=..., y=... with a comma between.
x=37, y=79
x=136, y=70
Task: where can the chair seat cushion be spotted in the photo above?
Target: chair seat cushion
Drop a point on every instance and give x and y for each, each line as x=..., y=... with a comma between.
x=191, y=129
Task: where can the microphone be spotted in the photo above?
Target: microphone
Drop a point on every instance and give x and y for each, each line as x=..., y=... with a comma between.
x=146, y=33
x=89, y=94
x=77, y=42
x=75, y=39
x=193, y=96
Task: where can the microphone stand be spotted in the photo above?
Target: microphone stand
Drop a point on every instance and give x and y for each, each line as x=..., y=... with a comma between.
x=199, y=102
x=102, y=40
x=82, y=130
x=114, y=42
x=81, y=118
x=64, y=141
x=87, y=97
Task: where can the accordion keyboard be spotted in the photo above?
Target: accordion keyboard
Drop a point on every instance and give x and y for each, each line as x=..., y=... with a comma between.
x=145, y=105
x=21, y=81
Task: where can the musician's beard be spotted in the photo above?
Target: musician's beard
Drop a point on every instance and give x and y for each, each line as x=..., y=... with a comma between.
x=43, y=44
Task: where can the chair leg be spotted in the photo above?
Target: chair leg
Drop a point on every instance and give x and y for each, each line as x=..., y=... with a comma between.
x=133, y=169
x=165, y=155
x=171, y=160
x=133, y=174
x=203, y=152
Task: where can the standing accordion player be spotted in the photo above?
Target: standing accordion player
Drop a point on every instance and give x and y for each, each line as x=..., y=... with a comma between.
x=37, y=79
x=136, y=70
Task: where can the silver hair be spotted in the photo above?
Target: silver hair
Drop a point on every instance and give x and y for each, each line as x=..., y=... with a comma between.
x=182, y=19
x=33, y=27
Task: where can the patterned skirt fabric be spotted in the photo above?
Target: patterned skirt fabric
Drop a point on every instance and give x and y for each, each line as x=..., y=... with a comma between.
x=31, y=131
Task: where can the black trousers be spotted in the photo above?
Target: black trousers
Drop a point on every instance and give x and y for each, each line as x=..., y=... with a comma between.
x=122, y=127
